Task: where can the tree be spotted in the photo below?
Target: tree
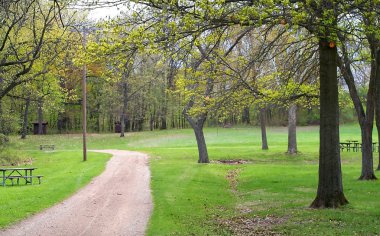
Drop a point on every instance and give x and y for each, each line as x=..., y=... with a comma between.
x=320, y=19
x=24, y=35
x=30, y=34
x=330, y=187
x=365, y=115
x=198, y=84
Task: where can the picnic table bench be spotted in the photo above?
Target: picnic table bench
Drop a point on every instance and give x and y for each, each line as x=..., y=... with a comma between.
x=18, y=173
x=350, y=144
x=47, y=146
x=355, y=146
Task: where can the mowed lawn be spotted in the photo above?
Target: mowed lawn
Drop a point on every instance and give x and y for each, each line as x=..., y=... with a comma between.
x=269, y=193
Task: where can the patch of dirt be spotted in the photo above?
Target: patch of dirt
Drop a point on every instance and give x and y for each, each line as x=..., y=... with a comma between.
x=232, y=177
x=117, y=202
x=245, y=225
x=256, y=225
x=231, y=162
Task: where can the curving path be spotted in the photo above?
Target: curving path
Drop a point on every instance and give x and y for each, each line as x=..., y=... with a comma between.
x=117, y=202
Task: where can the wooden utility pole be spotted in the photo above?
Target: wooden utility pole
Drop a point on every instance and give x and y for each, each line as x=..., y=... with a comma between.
x=84, y=100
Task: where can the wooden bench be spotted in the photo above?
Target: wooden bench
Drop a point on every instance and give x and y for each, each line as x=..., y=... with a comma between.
x=18, y=177
x=47, y=146
x=30, y=177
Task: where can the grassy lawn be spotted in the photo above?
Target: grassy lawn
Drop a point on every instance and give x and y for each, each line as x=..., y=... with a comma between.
x=63, y=172
x=270, y=193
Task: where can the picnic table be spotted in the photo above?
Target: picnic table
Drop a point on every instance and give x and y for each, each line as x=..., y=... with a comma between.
x=47, y=146
x=350, y=144
x=355, y=146
x=18, y=173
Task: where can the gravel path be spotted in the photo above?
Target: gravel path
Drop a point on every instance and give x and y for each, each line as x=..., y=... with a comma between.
x=117, y=202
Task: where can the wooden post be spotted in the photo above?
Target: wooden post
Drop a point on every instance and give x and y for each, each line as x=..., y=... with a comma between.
x=84, y=102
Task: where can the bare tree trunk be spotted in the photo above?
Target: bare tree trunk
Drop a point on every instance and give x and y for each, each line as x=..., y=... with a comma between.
x=197, y=125
x=264, y=142
x=292, y=129
x=40, y=116
x=151, y=122
x=24, y=130
x=245, y=116
x=377, y=104
x=60, y=122
x=98, y=120
x=124, y=109
x=330, y=186
x=163, y=120
x=367, y=163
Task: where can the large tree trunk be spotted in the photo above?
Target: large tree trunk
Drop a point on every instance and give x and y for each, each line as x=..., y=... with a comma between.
x=24, y=129
x=367, y=127
x=377, y=104
x=40, y=116
x=330, y=186
x=367, y=154
x=264, y=142
x=292, y=129
x=197, y=125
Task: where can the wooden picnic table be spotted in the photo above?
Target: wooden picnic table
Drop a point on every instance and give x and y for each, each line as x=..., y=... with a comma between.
x=18, y=173
x=354, y=145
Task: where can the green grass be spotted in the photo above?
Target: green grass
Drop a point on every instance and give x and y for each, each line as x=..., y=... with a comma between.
x=271, y=193
x=64, y=173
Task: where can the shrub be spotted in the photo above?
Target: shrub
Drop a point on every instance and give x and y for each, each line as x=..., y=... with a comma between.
x=3, y=140
x=13, y=158
x=9, y=124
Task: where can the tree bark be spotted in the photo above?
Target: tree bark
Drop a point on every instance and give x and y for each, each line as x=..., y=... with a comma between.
x=264, y=142
x=40, y=116
x=377, y=104
x=330, y=186
x=151, y=122
x=163, y=120
x=124, y=109
x=197, y=125
x=292, y=129
x=245, y=116
x=367, y=154
x=60, y=122
x=24, y=130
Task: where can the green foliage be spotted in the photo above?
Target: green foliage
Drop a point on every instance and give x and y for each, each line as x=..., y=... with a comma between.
x=10, y=157
x=9, y=123
x=3, y=139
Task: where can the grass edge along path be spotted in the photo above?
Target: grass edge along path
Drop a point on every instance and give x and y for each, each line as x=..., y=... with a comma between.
x=64, y=174
x=273, y=189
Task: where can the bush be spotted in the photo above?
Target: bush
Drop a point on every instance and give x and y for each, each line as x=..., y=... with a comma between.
x=9, y=124
x=13, y=158
x=3, y=140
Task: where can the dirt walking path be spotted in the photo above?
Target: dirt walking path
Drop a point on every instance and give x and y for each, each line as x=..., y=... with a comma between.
x=117, y=202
